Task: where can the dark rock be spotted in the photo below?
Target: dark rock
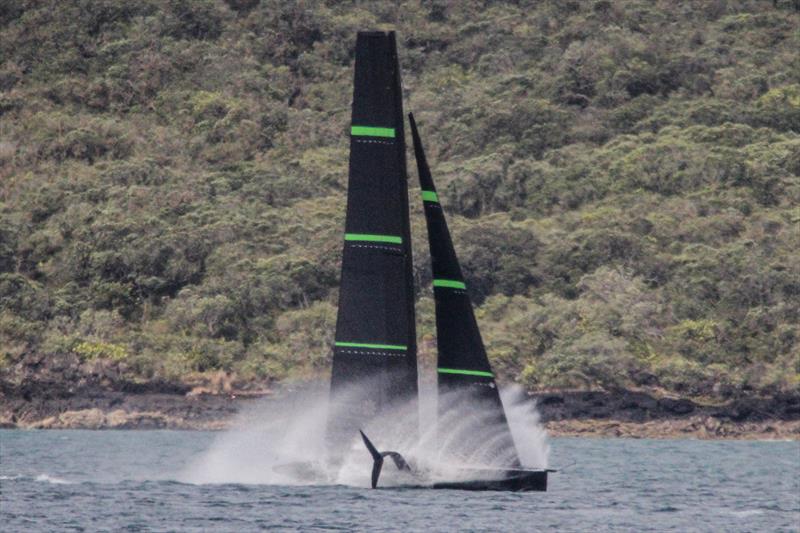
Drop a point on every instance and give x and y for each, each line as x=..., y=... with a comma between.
x=679, y=406
x=552, y=399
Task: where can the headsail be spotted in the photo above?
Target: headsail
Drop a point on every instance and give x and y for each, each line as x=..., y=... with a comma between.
x=375, y=353
x=465, y=378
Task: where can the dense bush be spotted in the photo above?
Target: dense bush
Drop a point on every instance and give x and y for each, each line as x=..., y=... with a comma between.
x=621, y=178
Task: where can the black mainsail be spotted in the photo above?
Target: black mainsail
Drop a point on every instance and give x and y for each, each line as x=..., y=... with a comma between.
x=375, y=352
x=468, y=394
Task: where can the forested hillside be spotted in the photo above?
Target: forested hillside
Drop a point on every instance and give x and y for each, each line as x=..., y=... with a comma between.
x=622, y=179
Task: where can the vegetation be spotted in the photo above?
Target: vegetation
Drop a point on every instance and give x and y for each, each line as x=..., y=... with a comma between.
x=622, y=180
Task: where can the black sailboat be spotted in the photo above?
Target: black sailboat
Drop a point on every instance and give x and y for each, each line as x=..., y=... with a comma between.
x=374, y=369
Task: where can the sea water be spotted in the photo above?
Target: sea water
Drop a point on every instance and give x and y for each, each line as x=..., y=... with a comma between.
x=143, y=481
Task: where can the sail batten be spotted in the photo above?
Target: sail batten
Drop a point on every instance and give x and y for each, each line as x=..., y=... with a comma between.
x=450, y=284
x=340, y=344
x=465, y=372
x=368, y=237
x=430, y=196
x=463, y=366
x=372, y=131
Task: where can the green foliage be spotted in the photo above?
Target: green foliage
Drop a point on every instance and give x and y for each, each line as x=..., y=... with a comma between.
x=100, y=350
x=621, y=178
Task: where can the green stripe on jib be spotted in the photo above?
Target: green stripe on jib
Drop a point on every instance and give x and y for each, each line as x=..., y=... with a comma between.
x=449, y=284
x=466, y=372
x=370, y=346
x=372, y=131
x=393, y=239
x=430, y=196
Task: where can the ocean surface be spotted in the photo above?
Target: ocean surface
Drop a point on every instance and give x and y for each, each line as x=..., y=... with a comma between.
x=137, y=481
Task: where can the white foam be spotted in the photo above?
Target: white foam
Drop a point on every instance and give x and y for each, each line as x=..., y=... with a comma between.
x=278, y=432
x=526, y=427
x=45, y=478
x=747, y=512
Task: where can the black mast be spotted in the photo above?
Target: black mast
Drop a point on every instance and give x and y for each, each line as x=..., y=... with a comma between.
x=375, y=353
x=465, y=377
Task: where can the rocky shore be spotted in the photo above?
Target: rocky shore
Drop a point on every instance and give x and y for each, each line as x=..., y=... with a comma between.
x=643, y=415
x=570, y=413
x=65, y=393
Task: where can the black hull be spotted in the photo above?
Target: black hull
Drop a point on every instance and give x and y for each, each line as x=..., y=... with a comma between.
x=505, y=480
x=512, y=481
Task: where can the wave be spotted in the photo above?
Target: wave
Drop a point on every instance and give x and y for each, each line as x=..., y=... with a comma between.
x=747, y=512
x=45, y=478
x=41, y=478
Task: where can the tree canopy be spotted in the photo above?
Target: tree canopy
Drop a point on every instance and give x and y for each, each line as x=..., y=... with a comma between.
x=622, y=180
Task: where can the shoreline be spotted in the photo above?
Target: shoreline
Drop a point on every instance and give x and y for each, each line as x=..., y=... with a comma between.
x=699, y=428
x=623, y=414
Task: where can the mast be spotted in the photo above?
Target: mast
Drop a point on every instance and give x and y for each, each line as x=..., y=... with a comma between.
x=375, y=352
x=465, y=379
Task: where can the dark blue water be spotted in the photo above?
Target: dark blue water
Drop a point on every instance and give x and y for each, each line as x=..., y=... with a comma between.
x=125, y=480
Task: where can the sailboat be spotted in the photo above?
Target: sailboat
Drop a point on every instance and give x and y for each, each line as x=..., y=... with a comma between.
x=374, y=373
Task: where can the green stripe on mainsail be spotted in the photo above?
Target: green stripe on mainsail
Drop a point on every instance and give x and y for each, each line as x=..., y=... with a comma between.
x=466, y=372
x=449, y=283
x=373, y=238
x=370, y=346
x=372, y=131
x=430, y=196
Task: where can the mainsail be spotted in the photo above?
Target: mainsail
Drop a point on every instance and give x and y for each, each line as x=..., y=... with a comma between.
x=469, y=402
x=375, y=352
